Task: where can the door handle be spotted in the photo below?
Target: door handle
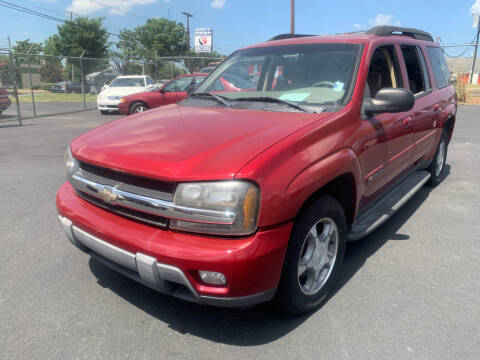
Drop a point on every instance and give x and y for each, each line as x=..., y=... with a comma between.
x=407, y=121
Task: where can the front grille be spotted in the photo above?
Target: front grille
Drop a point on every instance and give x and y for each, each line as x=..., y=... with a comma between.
x=157, y=189
x=142, y=182
x=130, y=213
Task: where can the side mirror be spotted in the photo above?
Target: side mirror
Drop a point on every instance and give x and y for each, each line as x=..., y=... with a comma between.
x=389, y=100
x=162, y=90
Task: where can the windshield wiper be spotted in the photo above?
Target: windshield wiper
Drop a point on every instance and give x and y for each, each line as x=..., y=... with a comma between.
x=217, y=98
x=279, y=101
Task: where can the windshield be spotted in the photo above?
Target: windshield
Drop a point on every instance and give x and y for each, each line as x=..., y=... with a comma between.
x=127, y=82
x=313, y=75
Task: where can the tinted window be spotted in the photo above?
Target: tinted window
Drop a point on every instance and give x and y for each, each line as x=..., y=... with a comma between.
x=440, y=68
x=416, y=81
x=426, y=78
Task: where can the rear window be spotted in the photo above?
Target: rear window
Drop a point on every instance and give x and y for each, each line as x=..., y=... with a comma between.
x=440, y=68
x=128, y=82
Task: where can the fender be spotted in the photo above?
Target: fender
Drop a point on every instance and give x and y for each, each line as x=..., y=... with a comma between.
x=285, y=203
x=322, y=172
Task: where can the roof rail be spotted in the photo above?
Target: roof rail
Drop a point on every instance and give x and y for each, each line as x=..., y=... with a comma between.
x=288, y=36
x=392, y=30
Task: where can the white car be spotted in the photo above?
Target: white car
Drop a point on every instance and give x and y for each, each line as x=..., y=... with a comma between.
x=110, y=96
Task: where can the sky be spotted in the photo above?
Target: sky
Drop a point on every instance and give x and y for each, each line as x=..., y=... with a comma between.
x=238, y=23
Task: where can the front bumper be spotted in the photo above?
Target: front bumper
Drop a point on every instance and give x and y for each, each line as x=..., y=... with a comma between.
x=168, y=261
x=111, y=105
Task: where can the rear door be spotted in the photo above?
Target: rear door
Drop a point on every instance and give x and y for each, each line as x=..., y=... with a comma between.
x=425, y=114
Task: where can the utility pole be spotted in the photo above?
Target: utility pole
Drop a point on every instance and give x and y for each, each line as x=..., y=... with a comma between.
x=188, y=28
x=292, y=16
x=71, y=19
x=188, y=38
x=477, y=17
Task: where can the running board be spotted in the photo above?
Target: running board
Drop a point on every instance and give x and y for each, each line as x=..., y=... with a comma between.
x=387, y=205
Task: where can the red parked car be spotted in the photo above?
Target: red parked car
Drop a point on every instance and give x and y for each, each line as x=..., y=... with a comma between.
x=239, y=197
x=171, y=92
x=4, y=100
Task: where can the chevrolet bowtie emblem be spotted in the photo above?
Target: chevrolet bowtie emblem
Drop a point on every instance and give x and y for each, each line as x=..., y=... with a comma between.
x=107, y=195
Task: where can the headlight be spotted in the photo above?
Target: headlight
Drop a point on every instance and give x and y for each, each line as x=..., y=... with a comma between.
x=236, y=201
x=71, y=164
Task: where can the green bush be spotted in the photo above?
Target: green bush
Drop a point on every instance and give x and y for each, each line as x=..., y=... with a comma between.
x=36, y=87
x=46, y=86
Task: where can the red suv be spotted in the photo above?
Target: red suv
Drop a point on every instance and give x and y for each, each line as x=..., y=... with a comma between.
x=172, y=92
x=233, y=198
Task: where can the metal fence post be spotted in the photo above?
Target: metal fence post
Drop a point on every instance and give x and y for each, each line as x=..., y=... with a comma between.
x=31, y=83
x=156, y=66
x=83, y=81
x=14, y=75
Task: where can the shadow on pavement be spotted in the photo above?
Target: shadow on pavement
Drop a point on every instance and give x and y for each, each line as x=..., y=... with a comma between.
x=261, y=324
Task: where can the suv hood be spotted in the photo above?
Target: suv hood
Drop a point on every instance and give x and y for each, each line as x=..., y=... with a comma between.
x=181, y=143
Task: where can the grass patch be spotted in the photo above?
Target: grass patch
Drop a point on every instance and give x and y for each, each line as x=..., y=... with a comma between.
x=54, y=97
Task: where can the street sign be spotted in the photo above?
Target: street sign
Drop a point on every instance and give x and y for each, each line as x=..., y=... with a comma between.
x=203, y=40
x=475, y=20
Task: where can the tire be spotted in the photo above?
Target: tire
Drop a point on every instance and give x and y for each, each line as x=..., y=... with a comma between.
x=298, y=292
x=137, y=107
x=437, y=167
x=104, y=112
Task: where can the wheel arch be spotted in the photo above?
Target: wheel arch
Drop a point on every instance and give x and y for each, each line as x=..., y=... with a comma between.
x=343, y=189
x=135, y=103
x=449, y=125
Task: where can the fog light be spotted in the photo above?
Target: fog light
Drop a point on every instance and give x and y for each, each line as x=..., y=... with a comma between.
x=212, y=277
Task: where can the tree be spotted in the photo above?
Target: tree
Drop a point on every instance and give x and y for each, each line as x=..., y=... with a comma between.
x=75, y=37
x=78, y=35
x=163, y=36
x=51, y=72
x=23, y=47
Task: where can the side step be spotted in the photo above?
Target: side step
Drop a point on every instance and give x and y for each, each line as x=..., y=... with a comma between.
x=387, y=205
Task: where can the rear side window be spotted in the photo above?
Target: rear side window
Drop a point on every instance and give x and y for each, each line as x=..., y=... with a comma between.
x=440, y=68
x=416, y=79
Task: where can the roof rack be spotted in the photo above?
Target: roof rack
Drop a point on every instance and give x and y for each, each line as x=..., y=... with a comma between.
x=392, y=30
x=288, y=36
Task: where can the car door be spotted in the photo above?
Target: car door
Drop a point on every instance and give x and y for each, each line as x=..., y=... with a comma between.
x=388, y=140
x=170, y=92
x=425, y=112
x=181, y=86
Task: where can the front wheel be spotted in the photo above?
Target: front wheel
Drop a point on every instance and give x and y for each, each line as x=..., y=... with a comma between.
x=138, y=107
x=314, y=257
x=437, y=167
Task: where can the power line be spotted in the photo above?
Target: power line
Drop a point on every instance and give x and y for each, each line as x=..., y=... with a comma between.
x=42, y=15
x=116, y=8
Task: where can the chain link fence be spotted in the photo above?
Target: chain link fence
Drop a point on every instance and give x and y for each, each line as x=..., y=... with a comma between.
x=10, y=114
x=36, y=85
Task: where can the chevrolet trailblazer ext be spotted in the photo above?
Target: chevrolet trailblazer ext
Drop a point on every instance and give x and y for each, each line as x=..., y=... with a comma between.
x=233, y=198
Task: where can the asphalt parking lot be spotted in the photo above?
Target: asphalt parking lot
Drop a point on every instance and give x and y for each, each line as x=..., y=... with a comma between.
x=410, y=290
x=46, y=108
